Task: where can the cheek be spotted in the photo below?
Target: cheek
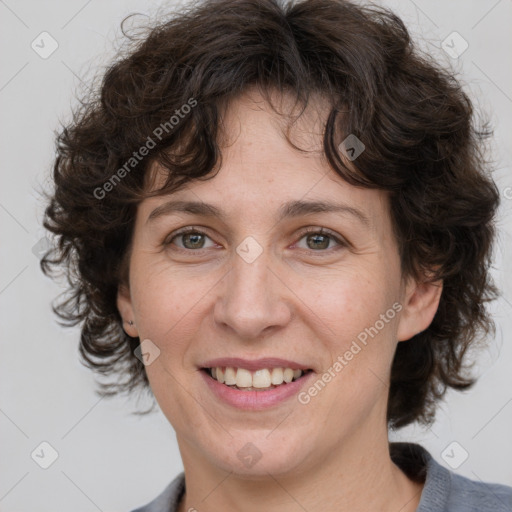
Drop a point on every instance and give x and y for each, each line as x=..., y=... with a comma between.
x=163, y=295
x=167, y=307
x=347, y=301
x=164, y=308
x=361, y=346
x=358, y=313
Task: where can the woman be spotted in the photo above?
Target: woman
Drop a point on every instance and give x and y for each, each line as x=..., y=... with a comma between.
x=278, y=218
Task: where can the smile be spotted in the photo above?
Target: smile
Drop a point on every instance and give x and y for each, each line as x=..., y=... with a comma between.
x=255, y=389
x=258, y=380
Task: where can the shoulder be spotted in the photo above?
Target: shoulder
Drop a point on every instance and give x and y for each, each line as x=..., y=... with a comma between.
x=446, y=491
x=475, y=496
x=168, y=499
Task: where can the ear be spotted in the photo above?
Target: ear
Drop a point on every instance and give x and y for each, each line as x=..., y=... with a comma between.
x=420, y=303
x=125, y=307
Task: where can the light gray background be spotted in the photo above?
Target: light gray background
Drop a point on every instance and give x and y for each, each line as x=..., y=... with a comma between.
x=109, y=459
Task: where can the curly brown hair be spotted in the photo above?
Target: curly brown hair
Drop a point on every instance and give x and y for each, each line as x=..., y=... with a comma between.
x=421, y=144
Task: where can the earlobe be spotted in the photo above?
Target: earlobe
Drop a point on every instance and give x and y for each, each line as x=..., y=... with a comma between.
x=419, y=308
x=124, y=305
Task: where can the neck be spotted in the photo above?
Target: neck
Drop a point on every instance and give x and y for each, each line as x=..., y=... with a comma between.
x=358, y=476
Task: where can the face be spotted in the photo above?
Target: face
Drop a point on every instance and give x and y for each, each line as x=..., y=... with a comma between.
x=263, y=284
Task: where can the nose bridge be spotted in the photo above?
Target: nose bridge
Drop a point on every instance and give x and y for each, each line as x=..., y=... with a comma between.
x=252, y=299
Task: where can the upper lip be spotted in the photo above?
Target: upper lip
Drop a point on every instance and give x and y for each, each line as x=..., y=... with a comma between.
x=254, y=364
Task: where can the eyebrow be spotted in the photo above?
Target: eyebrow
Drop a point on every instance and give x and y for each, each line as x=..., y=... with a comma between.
x=287, y=210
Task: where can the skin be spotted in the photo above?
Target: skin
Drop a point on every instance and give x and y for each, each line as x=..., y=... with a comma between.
x=291, y=302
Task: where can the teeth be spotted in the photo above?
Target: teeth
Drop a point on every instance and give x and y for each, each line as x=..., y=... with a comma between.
x=277, y=376
x=243, y=378
x=230, y=376
x=259, y=379
x=288, y=374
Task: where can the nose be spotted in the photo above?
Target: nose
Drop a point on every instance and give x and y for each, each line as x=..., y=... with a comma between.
x=253, y=301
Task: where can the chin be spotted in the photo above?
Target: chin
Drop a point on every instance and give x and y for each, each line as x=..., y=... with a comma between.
x=251, y=456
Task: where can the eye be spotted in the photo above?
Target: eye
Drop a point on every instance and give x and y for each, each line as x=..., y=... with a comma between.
x=191, y=238
x=319, y=239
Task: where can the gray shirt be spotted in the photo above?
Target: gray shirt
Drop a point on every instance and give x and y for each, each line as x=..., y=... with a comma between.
x=444, y=490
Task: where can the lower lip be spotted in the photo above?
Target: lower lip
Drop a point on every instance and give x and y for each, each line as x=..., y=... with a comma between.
x=255, y=400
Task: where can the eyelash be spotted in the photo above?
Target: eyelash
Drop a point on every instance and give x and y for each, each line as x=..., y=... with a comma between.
x=313, y=230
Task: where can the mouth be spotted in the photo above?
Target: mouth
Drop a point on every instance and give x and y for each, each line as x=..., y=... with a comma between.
x=263, y=379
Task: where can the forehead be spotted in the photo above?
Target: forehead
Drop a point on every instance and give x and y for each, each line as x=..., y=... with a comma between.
x=261, y=173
